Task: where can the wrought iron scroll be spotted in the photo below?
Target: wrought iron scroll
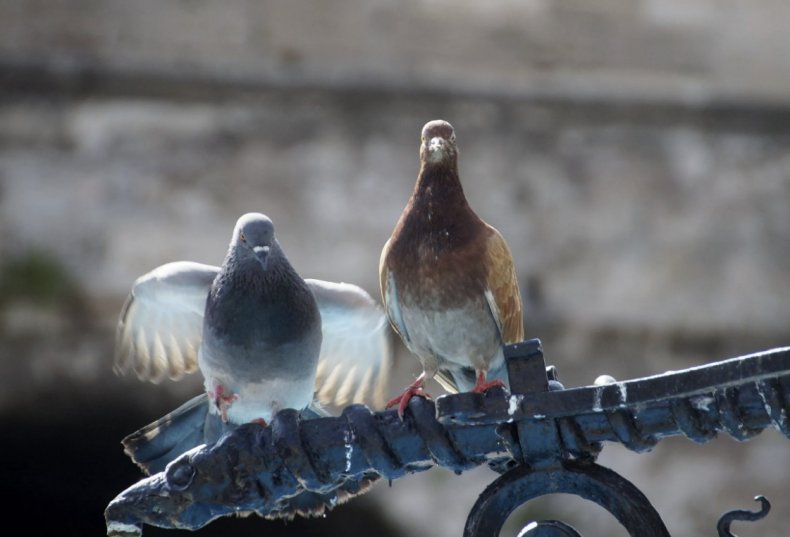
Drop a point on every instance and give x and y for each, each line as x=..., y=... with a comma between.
x=539, y=434
x=723, y=527
x=584, y=479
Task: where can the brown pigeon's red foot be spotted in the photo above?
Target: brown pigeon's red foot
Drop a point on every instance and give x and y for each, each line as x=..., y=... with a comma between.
x=481, y=386
x=415, y=388
x=223, y=401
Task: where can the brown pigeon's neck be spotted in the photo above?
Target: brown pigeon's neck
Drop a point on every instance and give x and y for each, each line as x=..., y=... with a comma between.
x=436, y=227
x=440, y=187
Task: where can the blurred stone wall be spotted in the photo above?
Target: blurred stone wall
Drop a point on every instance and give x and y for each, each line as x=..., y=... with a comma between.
x=697, y=51
x=635, y=156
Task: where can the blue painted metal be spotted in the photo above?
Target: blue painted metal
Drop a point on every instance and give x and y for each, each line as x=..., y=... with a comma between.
x=581, y=478
x=723, y=527
x=539, y=432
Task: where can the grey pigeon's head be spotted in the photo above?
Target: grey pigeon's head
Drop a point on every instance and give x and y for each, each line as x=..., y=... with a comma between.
x=438, y=143
x=253, y=236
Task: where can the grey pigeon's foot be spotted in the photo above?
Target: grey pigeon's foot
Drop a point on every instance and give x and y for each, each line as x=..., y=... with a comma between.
x=222, y=401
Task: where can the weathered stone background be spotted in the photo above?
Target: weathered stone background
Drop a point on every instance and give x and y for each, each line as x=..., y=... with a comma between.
x=635, y=155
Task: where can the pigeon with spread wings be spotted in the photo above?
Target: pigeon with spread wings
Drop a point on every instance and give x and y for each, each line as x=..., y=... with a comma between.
x=263, y=338
x=448, y=280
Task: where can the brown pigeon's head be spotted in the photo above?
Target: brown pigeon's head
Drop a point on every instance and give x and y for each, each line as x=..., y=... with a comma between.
x=438, y=143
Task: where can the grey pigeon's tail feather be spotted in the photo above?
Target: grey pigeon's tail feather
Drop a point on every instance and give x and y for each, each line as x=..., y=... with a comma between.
x=186, y=427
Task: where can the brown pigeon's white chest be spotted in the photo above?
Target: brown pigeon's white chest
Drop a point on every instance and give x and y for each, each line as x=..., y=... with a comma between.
x=466, y=335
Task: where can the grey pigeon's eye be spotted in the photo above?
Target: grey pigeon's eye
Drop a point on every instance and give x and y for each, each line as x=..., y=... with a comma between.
x=242, y=236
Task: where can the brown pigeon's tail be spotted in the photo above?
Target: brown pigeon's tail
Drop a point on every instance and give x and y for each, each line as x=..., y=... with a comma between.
x=313, y=504
x=186, y=427
x=462, y=379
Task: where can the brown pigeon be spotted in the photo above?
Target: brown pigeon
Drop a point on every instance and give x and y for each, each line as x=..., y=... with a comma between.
x=448, y=280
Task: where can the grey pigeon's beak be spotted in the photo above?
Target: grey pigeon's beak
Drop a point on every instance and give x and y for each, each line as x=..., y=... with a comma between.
x=262, y=254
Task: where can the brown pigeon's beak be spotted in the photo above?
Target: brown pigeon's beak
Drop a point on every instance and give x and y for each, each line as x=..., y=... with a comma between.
x=436, y=143
x=437, y=147
x=262, y=254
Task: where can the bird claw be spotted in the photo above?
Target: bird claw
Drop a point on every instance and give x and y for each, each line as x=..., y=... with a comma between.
x=481, y=386
x=223, y=401
x=403, y=399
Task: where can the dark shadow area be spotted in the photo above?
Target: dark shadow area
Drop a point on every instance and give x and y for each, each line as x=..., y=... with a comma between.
x=62, y=471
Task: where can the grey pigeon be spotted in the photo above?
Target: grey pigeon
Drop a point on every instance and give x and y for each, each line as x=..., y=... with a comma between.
x=254, y=328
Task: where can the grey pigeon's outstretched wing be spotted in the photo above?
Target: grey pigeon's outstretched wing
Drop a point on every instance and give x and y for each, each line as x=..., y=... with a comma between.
x=357, y=347
x=161, y=327
x=161, y=323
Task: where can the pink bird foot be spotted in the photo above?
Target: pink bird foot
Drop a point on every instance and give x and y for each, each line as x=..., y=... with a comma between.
x=481, y=386
x=415, y=388
x=223, y=401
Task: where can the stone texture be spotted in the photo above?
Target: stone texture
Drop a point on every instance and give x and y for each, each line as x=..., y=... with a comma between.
x=696, y=52
x=616, y=219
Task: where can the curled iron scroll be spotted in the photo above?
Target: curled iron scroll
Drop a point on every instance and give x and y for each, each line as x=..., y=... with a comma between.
x=581, y=478
x=728, y=518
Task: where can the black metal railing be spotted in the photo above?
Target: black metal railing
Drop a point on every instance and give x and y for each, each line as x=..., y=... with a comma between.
x=541, y=437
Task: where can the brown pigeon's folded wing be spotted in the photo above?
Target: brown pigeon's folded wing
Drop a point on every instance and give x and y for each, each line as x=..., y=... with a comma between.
x=161, y=323
x=356, y=350
x=389, y=294
x=502, y=292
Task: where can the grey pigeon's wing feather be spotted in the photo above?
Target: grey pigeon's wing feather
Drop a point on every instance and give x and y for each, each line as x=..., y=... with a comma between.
x=357, y=348
x=161, y=323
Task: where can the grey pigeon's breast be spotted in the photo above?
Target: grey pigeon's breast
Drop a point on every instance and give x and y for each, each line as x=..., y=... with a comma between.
x=248, y=333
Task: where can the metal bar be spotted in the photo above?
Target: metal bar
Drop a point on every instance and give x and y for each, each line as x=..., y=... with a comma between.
x=266, y=469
